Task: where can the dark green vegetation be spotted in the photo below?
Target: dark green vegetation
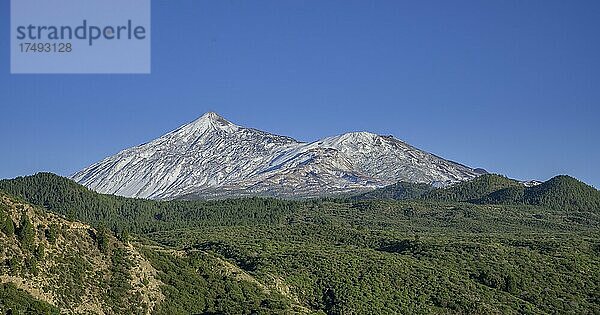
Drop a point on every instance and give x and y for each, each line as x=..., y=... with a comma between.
x=398, y=191
x=473, y=190
x=51, y=263
x=452, y=250
x=561, y=192
x=76, y=202
x=20, y=302
x=199, y=283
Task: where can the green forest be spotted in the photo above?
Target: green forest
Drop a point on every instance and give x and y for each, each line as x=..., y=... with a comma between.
x=487, y=246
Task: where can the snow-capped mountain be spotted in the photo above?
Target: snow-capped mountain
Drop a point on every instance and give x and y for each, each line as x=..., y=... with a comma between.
x=212, y=157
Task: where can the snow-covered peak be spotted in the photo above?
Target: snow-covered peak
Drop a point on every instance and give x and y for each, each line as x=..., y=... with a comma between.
x=212, y=156
x=214, y=118
x=210, y=121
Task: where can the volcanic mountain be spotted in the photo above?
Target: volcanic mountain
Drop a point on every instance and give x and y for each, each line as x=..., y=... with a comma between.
x=212, y=157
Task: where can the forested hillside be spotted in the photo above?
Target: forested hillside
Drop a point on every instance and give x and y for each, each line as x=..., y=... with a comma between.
x=473, y=190
x=65, y=197
x=398, y=191
x=51, y=265
x=560, y=192
x=329, y=256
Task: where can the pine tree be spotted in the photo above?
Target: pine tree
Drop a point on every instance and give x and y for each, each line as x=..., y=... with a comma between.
x=103, y=240
x=8, y=227
x=26, y=233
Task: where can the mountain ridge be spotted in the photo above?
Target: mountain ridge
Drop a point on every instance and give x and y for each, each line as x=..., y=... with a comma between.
x=213, y=157
x=559, y=192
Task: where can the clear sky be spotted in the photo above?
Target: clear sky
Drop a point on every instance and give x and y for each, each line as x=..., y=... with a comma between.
x=510, y=86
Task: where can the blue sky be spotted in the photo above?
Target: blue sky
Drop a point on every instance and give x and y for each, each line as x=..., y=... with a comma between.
x=510, y=86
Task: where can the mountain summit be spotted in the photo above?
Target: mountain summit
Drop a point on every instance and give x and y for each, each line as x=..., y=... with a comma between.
x=211, y=120
x=212, y=157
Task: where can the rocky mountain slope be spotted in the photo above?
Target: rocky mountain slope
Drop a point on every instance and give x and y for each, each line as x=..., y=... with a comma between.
x=53, y=265
x=212, y=157
x=68, y=267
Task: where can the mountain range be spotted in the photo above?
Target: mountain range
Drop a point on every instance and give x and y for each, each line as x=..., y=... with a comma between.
x=212, y=157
